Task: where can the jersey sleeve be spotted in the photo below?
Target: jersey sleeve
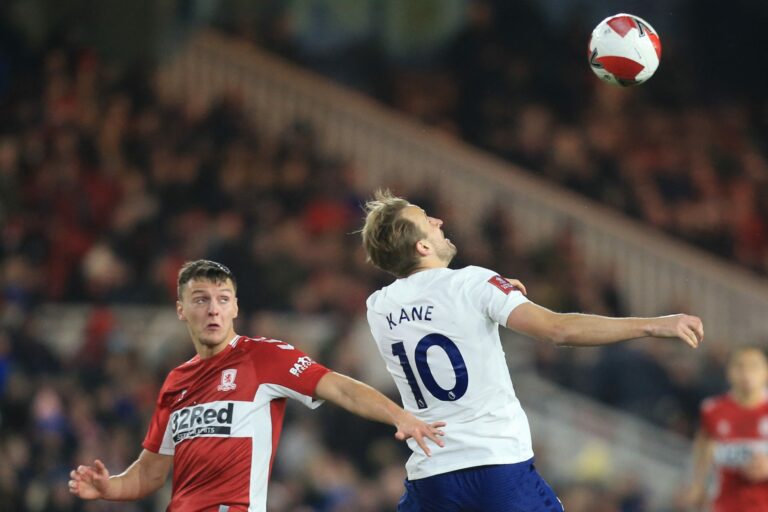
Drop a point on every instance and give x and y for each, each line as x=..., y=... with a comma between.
x=492, y=294
x=158, y=438
x=289, y=372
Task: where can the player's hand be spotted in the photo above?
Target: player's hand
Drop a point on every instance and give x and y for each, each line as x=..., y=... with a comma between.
x=756, y=469
x=685, y=327
x=517, y=284
x=89, y=482
x=410, y=427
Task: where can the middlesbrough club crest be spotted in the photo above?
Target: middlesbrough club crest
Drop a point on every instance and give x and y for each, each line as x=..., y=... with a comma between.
x=228, y=380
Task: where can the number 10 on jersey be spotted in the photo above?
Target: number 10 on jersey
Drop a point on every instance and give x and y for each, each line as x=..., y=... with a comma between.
x=420, y=355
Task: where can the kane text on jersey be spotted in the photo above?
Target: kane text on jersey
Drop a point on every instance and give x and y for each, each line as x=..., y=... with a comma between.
x=410, y=314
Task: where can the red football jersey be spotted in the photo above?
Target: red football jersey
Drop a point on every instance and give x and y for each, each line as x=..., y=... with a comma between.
x=221, y=418
x=737, y=432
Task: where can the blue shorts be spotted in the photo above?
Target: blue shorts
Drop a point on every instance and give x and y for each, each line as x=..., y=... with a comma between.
x=501, y=488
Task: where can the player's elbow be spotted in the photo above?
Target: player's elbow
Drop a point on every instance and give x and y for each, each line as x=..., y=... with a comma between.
x=552, y=339
x=552, y=334
x=558, y=337
x=549, y=332
x=559, y=332
x=152, y=470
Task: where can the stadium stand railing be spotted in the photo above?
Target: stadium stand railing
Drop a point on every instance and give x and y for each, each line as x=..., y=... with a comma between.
x=655, y=271
x=590, y=442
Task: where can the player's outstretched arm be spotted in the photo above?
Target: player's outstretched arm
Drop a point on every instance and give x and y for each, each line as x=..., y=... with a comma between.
x=146, y=475
x=363, y=400
x=575, y=329
x=695, y=494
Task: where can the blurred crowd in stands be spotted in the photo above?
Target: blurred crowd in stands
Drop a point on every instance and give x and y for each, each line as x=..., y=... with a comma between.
x=685, y=153
x=106, y=189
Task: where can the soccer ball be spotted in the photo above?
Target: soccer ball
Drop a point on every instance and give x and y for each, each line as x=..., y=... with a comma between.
x=624, y=50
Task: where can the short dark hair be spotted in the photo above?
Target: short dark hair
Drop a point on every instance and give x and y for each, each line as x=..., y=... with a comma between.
x=204, y=269
x=389, y=238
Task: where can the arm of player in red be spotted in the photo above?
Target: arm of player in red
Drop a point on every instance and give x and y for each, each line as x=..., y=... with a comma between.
x=576, y=329
x=363, y=400
x=146, y=475
x=695, y=495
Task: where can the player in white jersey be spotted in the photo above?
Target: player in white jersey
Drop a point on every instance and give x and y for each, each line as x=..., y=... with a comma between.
x=437, y=330
x=218, y=416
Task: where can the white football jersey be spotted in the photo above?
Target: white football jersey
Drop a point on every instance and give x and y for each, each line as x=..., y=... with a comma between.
x=438, y=331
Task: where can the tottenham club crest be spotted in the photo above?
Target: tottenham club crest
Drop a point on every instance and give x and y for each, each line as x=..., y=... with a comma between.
x=228, y=380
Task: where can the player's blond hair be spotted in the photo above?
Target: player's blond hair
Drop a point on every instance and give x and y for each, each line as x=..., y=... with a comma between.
x=389, y=239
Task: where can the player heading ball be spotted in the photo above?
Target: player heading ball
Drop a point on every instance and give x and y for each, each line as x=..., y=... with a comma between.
x=451, y=365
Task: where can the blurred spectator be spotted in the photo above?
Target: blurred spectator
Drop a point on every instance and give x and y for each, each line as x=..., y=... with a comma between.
x=684, y=154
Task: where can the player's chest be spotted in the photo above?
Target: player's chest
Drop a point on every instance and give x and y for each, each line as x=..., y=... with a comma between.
x=217, y=402
x=742, y=424
x=233, y=382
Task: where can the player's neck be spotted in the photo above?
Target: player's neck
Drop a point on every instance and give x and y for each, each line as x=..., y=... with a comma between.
x=207, y=351
x=429, y=264
x=748, y=399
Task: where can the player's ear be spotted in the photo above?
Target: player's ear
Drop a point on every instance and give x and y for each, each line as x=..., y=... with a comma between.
x=179, y=310
x=423, y=248
x=237, y=308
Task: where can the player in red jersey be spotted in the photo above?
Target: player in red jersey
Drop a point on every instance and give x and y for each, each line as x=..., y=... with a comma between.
x=218, y=416
x=734, y=438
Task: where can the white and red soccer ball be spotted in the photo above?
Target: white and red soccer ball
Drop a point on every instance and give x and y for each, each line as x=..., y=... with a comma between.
x=624, y=50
